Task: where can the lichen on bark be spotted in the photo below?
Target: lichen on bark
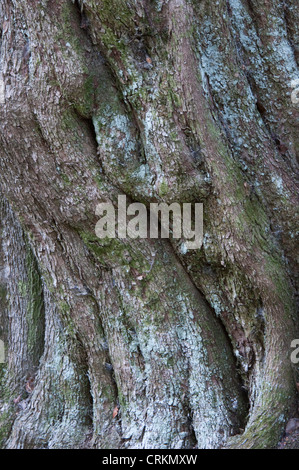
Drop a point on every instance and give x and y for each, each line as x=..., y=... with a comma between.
x=172, y=101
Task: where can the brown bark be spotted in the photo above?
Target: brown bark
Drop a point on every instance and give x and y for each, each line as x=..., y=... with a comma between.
x=173, y=101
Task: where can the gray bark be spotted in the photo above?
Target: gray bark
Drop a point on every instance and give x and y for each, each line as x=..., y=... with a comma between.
x=164, y=101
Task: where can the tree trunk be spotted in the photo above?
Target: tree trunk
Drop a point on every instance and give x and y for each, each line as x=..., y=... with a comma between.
x=139, y=343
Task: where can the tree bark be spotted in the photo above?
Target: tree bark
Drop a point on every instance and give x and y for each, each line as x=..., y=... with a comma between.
x=132, y=343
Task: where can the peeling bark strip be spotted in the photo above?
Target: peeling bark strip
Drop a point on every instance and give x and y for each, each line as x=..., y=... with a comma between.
x=169, y=101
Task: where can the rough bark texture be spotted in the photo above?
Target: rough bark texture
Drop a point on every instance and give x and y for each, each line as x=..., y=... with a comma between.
x=161, y=100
